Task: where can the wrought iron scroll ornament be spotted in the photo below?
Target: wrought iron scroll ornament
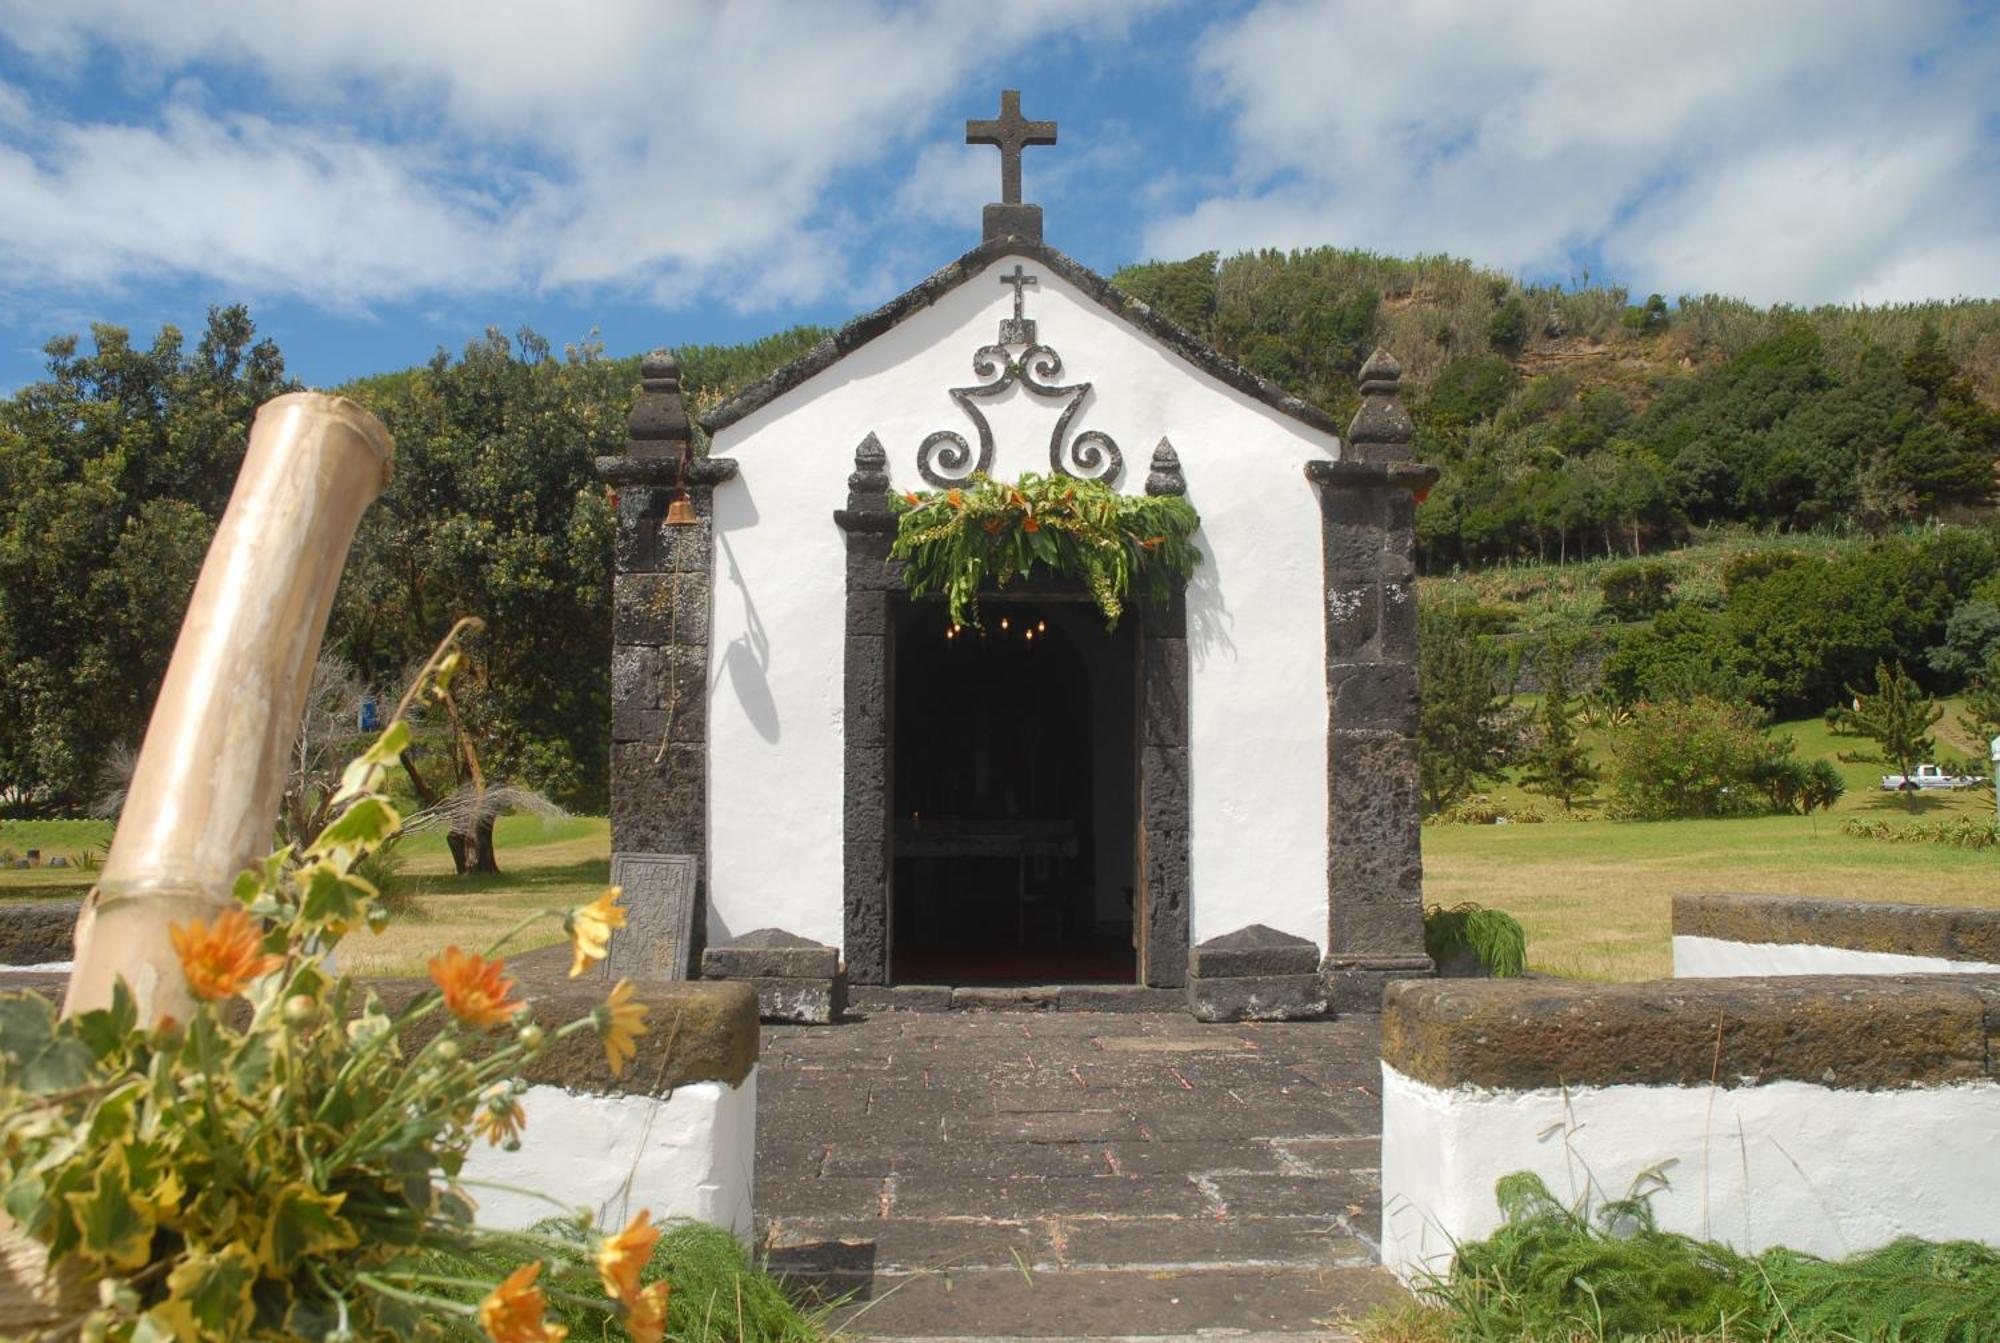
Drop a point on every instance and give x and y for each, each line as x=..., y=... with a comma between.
x=946, y=458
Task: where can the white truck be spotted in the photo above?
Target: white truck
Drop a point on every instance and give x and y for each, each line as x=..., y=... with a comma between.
x=1928, y=777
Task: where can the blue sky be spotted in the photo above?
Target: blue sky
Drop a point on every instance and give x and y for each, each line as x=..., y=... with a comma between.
x=377, y=179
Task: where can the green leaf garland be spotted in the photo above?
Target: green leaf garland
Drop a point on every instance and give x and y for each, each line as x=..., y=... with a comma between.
x=951, y=541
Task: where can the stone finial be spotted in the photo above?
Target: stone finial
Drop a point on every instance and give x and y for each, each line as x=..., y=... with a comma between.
x=868, y=487
x=1381, y=430
x=658, y=426
x=1165, y=476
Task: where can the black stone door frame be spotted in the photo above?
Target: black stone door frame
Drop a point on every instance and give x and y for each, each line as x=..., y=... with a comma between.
x=873, y=583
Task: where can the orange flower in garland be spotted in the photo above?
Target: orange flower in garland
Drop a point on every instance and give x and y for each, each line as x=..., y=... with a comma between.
x=910, y=498
x=1152, y=543
x=621, y=1257
x=220, y=960
x=474, y=989
x=499, y=1120
x=1030, y=524
x=590, y=929
x=516, y=1311
x=956, y=498
x=621, y=1022
x=646, y=1314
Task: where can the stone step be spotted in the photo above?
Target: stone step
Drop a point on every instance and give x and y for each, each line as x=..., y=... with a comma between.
x=1221, y=1305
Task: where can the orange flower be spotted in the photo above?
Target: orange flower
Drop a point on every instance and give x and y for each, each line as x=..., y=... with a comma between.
x=473, y=988
x=910, y=498
x=221, y=960
x=621, y=1021
x=956, y=498
x=1029, y=524
x=1153, y=542
x=992, y=525
x=621, y=1257
x=590, y=929
x=646, y=1314
x=515, y=1311
x=500, y=1118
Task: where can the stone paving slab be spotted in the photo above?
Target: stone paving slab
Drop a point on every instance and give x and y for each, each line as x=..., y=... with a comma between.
x=1070, y=1175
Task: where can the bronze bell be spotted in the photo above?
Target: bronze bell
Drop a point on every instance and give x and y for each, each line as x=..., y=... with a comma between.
x=680, y=513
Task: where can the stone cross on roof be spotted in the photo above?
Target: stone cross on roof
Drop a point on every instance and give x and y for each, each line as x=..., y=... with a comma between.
x=1011, y=133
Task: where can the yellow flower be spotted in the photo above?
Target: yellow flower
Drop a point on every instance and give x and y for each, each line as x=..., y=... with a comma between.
x=473, y=988
x=221, y=960
x=621, y=1021
x=499, y=1118
x=620, y=1257
x=515, y=1311
x=646, y=1314
x=590, y=929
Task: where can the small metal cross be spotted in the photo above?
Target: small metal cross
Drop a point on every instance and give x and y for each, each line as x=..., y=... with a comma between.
x=1018, y=280
x=1011, y=134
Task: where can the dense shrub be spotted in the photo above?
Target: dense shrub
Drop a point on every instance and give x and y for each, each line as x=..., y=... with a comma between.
x=1636, y=591
x=1691, y=758
x=1683, y=653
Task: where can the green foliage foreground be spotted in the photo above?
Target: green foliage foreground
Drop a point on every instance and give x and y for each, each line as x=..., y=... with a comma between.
x=1553, y=1272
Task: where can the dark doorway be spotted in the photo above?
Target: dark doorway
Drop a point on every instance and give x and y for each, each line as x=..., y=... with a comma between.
x=1014, y=812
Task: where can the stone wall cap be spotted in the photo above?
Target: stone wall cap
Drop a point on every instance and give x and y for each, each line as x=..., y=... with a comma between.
x=771, y=953
x=695, y=1032
x=1117, y=302
x=1854, y=1032
x=1947, y=932
x=1255, y=950
x=37, y=932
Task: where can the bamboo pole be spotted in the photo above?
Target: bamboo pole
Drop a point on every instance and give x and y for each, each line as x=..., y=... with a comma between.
x=204, y=795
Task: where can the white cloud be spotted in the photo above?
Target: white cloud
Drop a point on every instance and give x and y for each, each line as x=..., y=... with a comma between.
x=666, y=151
x=1786, y=150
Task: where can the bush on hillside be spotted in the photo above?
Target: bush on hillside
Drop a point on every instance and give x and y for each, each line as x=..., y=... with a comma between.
x=1683, y=654
x=1636, y=591
x=1692, y=758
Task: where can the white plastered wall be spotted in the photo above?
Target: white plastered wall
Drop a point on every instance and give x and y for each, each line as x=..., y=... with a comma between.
x=1815, y=1168
x=689, y=1155
x=1255, y=623
x=1720, y=958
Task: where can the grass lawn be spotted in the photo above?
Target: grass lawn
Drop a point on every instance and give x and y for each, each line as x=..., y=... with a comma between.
x=1596, y=897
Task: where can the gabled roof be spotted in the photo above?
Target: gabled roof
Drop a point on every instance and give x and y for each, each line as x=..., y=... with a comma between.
x=1113, y=300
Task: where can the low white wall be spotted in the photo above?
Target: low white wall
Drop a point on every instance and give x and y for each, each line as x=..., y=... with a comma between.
x=1718, y=958
x=688, y=1155
x=1786, y=1163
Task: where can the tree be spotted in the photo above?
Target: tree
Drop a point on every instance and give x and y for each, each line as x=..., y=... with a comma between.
x=494, y=511
x=1462, y=735
x=113, y=472
x=1980, y=718
x=1557, y=765
x=1899, y=717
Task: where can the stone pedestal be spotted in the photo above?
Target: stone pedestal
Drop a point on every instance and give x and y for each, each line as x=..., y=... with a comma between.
x=1375, y=871
x=797, y=979
x=1255, y=974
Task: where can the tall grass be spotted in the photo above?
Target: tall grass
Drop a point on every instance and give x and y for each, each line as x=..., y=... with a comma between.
x=1552, y=1272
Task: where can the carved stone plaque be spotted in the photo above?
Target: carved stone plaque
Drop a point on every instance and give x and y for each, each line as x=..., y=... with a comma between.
x=659, y=916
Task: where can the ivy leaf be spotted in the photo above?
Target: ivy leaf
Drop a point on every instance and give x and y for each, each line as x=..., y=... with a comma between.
x=115, y=1118
x=106, y=1031
x=302, y=1222
x=331, y=898
x=312, y=1319
x=367, y=823
x=208, y=1296
x=37, y=1054
x=115, y=1227
x=362, y=772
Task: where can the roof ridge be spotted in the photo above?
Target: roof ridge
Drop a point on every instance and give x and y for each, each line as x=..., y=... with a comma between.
x=860, y=330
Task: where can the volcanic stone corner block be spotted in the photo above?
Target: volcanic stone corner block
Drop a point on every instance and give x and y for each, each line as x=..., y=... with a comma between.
x=797, y=980
x=1011, y=221
x=658, y=941
x=1356, y=983
x=1255, y=974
